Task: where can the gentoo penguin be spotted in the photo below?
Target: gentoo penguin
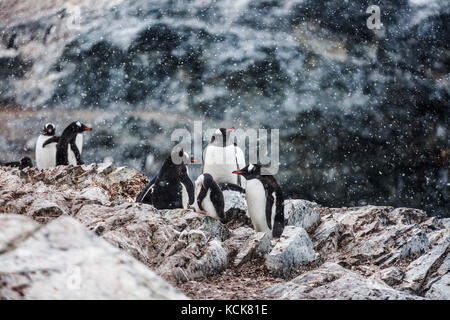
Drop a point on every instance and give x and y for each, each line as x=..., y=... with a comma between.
x=67, y=151
x=265, y=200
x=209, y=197
x=222, y=156
x=23, y=163
x=46, y=156
x=171, y=188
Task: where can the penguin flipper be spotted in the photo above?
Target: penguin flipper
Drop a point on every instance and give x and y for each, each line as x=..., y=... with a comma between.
x=269, y=205
x=142, y=196
x=186, y=181
x=53, y=139
x=278, y=223
x=200, y=197
x=231, y=186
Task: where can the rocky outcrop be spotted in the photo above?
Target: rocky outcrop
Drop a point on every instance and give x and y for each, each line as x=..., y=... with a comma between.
x=341, y=253
x=62, y=260
x=331, y=281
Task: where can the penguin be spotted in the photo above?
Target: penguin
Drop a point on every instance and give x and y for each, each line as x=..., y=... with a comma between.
x=67, y=151
x=171, y=188
x=46, y=155
x=209, y=197
x=265, y=200
x=222, y=156
x=22, y=164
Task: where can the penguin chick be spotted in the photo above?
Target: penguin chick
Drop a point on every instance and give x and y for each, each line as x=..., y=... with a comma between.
x=171, y=188
x=209, y=197
x=265, y=200
x=67, y=145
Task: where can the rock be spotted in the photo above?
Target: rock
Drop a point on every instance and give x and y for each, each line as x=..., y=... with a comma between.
x=258, y=243
x=397, y=246
x=63, y=261
x=421, y=272
x=301, y=213
x=293, y=249
x=215, y=228
x=236, y=214
x=416, y=244
x=446, y=223
x=440, y=290
x=14, y=229
x=331, y=281
x=392, y=276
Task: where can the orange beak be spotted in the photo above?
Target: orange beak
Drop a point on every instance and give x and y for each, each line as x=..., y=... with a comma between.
x=237, y=172
x=194, y=161
x=231, y=129
x=87, y=129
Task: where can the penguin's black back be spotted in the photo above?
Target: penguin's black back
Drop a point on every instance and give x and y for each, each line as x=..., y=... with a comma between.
x=216, y=194
x=166, y=188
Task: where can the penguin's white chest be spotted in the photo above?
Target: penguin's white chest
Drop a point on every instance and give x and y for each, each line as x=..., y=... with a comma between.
x=256, y=203
x=70, y=154
x=45, y=156
x=221, y=162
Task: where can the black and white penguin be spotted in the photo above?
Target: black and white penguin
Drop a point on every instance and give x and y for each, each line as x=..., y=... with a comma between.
x=222, y=156
x=23, y=163
x=171, y=188
x=46, y=155
x=208, y=197
x=67, y=150
x=265, y=200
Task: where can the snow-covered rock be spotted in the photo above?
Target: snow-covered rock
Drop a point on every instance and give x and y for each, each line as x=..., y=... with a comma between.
x=293, y=249
x=373, y=247
x=301, y=213
x=331, y=281
x=62, y=260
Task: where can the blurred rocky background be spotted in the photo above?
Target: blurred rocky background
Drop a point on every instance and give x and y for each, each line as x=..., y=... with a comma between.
x=363, y=114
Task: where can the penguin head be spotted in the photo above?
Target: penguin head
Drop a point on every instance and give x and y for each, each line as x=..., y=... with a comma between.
x=251, y=171
x=176, y=163
x=77, y=127
x=222, y=137
x=49, y=129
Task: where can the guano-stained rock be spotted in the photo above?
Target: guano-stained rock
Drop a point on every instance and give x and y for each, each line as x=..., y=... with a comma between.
x=62, y=260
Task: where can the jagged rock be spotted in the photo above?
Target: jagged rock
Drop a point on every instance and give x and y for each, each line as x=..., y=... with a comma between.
x=258, y=243
x=392, y=276
x=181, y=245
x=446, y=223
x=421, y=272
x=440, y=289
x=236, y=214
x=15, y=228
x=62, y=260
x=215, y=228
x=293, y=249
x=301, y=213
x=331, y=281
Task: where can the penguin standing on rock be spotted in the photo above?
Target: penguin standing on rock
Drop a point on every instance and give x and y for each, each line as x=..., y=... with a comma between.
x=22, y=164
x=222, y=156
x=67, y=151
x=265, y=200
x=46, y=155
x=171, y=188
x=209, y=197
